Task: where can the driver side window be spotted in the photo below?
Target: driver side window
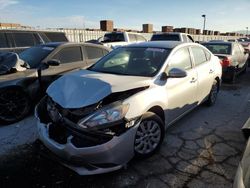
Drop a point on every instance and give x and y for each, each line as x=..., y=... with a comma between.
x=180, y=59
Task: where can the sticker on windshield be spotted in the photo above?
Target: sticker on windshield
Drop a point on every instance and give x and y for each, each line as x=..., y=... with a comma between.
x=155, y=50
x=48, y=48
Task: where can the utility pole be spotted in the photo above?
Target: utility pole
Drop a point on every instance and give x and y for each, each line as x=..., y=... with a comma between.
x=204, y=23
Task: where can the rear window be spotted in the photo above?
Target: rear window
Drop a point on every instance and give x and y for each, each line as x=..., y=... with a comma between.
x=165, y=37
x=113, y=37
x=24, y=39
x=132, y=37
x=140, y=38
x=56, y=37
x=93, y=52
x=3, y=41
x=219, y=48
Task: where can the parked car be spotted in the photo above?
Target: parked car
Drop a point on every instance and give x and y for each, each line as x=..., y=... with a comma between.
x=117, y=39
x=246, y=45
x=233, y=58
x=172, y=36
x=20, y=81
x=121, y=106
x=19, y=40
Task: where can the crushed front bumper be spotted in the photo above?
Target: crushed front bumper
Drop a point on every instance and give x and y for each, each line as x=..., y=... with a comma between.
x=102, y=158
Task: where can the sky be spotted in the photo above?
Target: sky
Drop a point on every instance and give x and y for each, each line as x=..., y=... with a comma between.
x=222, y=15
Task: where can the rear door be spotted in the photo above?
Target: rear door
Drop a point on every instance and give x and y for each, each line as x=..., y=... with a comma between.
x=244, y=56
x=181, y=91
x=93, y=54
x=23, y=40
x=205, y=71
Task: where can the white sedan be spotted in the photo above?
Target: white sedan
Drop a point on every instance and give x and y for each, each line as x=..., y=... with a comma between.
x=98, y=119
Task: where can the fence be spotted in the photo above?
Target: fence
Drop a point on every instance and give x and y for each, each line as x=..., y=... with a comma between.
x=81, y=35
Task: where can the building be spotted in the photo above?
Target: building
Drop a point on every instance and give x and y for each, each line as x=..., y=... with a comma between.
x=167, y=28
x=107, y=25
x=147, y=28
x=13, y=26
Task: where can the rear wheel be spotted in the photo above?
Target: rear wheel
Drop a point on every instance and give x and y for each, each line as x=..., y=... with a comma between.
x=213, y=94
x=14, y=105
x=149, y=135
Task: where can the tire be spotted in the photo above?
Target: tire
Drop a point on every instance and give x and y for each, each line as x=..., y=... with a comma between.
x=213, y=94
x=232, y=77
x=244, y=68
x=14, y=105
x=149, y=135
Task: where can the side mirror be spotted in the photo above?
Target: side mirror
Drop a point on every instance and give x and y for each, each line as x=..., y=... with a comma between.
x=53, y=62
x=177, y=73
x=163, y=76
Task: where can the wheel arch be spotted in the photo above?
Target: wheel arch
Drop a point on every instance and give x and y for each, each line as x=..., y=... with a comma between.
x=158, y=111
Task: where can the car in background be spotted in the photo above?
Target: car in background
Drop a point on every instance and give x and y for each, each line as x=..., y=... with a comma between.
x=117, y=39
x=245, y=42
x=121, y=106
x=25, y=77
x=233, y=58
x=19, y=40
x=172, y=36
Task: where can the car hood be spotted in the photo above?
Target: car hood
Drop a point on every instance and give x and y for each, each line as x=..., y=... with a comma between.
x=9, y=61
x=83, y=88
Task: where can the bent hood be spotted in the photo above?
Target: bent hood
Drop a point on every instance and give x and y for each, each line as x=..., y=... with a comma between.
x=83, y=88
x=10, y=61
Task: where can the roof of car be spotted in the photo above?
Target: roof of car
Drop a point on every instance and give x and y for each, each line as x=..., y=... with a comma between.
x=53, y=44
x=56, y=44
x=157, y=44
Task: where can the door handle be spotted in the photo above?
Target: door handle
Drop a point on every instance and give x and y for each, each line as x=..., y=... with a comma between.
x=211, y=71
x=193, y=80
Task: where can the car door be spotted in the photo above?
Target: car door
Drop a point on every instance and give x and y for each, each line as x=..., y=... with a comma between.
x=205, y=71
x=70, y=58
x=93, y=54
x=181, y=92
x=244, y=56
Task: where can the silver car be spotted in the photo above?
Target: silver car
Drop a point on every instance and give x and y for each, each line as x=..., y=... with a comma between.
x=97, y=120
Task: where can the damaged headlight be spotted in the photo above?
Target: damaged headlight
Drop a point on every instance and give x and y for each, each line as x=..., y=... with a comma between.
x=105, y=115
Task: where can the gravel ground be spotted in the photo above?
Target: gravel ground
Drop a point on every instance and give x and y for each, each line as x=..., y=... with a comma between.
x=203, y=149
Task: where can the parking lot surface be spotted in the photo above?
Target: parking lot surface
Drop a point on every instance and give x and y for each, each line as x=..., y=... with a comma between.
x=203, y=149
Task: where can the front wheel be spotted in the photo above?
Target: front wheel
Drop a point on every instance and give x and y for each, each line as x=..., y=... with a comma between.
x=14, y=105
x=213, y=94
x=149, y=135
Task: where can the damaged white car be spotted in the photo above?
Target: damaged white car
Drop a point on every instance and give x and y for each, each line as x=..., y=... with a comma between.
x=97, y=120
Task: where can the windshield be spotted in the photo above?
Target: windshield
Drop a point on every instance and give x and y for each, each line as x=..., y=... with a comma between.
x=132, y=61
x=113, y=37
x=219, y=48
x=33, y=56
x=167, y=37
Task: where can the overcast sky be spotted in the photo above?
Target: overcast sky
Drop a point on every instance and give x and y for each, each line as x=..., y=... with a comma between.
x=222, y=15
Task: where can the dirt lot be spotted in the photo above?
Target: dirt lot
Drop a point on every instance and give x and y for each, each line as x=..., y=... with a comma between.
x=201, y=150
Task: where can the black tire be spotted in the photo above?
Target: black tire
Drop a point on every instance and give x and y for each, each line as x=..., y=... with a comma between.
x=232, y=77
x=244, y=68
x=14, y=105
x=149, y=135
x=213, y=94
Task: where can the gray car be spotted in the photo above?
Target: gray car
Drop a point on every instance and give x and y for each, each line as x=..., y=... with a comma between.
x=25, y=77
x=233, y=58
x=98, y=119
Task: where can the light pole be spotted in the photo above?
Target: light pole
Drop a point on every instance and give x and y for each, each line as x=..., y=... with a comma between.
x=204, y=23
x=247, y=31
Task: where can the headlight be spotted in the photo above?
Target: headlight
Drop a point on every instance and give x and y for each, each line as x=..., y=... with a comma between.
x=105, y=115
